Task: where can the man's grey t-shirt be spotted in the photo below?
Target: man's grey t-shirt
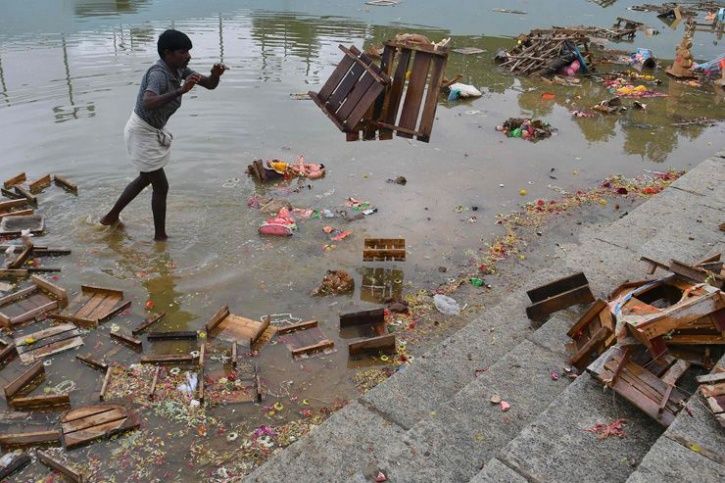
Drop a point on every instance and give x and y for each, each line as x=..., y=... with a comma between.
x=159, y=79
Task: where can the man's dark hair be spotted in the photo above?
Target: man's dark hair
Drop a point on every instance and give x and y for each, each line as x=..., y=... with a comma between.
x=173, y=40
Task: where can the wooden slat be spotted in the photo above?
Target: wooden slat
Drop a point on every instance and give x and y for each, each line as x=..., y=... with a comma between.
x=66, y=470
x=92, y=362
x=85, y=436
x=329, y=114
x=39, y=184
x=390, y=108
x=92, y=289
x=7, y=353
x=337, y=75
x=712, y=378
x=418, y=47
x=364, y=61
x=26, y=194
x=10, y=204
x=384, y=343
x=130, y=341
x=79, y=424
x=580, y=295
x=148, y=323
x=115, y=311
x=414, y=93
x=65, y=183
x=557, y=286
x=348, y=82
x=168, y=359
x=153, y=382
x=110, y=303
x=365, y=317
x=320, y=346
x=46, y=401
x=363, y=106
x=20, y=294
x=582, y=356
x=431, y=101
x=50, y=349
x=23, y=380
x=31, y=314
x=34, y=437
x=217, y=318
x=584, y=320
x=104, y=386
x=234, y=356
x=85, y=311
x=17, y=179
x=51, y=288
x=353, y=98
x=288, y=329
x=173, y=335
x=86, y=411
x=42, y=335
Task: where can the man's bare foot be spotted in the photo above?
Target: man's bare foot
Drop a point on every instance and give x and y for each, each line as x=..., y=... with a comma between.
x=108, y=221
x=163, y=237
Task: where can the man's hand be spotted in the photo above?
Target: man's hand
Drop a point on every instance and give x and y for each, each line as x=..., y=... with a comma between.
x=218, y=69
x=190, y=82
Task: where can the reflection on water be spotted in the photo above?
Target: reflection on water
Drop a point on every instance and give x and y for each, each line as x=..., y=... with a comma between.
x=93, y=8
x=381, y=284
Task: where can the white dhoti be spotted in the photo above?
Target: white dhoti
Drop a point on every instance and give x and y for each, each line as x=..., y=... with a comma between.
x=149, y=148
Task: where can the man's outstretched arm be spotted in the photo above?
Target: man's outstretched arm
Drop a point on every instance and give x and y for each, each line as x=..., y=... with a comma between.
x=211, y=81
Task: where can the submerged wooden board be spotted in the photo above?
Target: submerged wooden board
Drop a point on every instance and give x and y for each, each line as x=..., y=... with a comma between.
x=239, y=329
x=47, y=401
x=383, y=343
x=56, y=464
x=30, y=438
x=93, y=306
x=48, y=342
x=85, y=424
x=31, y=374
x=306, y=341
x=14, y=225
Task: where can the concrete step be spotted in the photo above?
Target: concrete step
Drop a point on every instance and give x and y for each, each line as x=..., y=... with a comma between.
x=691, y=450
x=433, y=421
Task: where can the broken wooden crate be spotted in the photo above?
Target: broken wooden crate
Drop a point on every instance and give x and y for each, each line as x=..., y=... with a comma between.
x=230, y=327
x=384, y=249
x=239, y=385
x=93, y=306
x=13, y=226
x=85, y=424
x=366, y=323
x=658, y=397
x=558, y=295
x=305, y=338
x=592, y=334
x=25, y=382
x=31, y=302
x=406, y=108
x=46, y=342
x=712, y=389
x=30, y=438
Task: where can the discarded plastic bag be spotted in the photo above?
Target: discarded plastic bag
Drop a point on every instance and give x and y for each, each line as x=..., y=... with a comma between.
x=458, y=90
x=446, y=305
x=190, y=385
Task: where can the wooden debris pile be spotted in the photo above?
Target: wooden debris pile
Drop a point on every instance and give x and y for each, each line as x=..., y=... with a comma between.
x=546, y=52
x=649, y=333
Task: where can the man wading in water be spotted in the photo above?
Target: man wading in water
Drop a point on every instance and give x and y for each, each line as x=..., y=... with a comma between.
x=147, y=142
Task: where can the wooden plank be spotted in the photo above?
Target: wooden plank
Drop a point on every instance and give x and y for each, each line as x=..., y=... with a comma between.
x=113, y=413
x=288, y=329
x=217, y=318
x=586, y=318
x=357, y=114
x=320, y=346
x=130, y=341
x=27, y=212
x=696, y=274
x=365, y=317
x=46, y=401
x=83, y=323
x=257, y=383
x=51, y=288
x=23, y=380
x=234, y=356
x=108, y=304
x=334, y=80
x=41, y=335
x=7, y=354
x=427, y=117
x=30, y=438
x=15, y=180
x=328, y=113
x=85, y=310
x=173, y=335
x=153, y=383
x=92, y=289
x=104, y=386
x=11, y=194
x=66, y=470
x=715, y=404
x=20, y=294
x=26, y=194
x=384, y=343
x=148, y=323
x=712, y=378
x=100, y=365
x=21, y=258
x=348, y=82
x=556, y=287
x=366, y=63
x=390, y=107
x=39, y=184
x=692, y=339
x=414, y=94
x=115, y=311
x=31, y=314
x=202, y=354
x=168, y=359
x=580, y=295
x=678, y=315
x=85, y=436
x=10, y=204
x=17, y=463
x=86, y=411
x=64, y=183
x=56, y=345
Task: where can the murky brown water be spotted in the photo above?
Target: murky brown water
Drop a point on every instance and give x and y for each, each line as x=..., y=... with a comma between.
x=67, y=85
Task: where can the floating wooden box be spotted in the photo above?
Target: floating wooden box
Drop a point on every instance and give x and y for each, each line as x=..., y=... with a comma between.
x=384, y=343
x=384, y=249
x=31, y=302
x=48, y=342
x=230, y=327
x=85, y=424
x=592, y=334
x=304, y=339
x=14, y=225
x=93, y=306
